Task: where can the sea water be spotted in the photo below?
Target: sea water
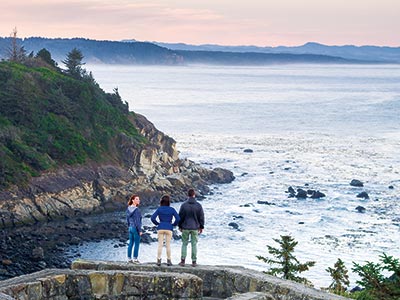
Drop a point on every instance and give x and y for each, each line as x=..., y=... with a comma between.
x=309, y=126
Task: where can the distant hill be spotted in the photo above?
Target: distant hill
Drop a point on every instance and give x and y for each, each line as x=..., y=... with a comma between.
x=110, y=52
x=145, y=53
x=363, y=53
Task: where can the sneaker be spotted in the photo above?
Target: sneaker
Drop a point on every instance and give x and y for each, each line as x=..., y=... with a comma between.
x=129, y=260
x=135, y=261
x=158, y=261
x=182, y=263
x=169, y=263
x=194, y=264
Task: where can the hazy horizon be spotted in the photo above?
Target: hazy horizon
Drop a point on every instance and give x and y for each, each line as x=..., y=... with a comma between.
x=251, y=22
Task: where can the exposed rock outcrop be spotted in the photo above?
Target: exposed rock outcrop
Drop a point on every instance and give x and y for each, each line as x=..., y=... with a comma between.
x=150, y=170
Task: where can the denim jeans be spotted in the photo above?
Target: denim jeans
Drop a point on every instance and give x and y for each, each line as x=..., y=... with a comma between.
x=185, y=240
x=134, y=238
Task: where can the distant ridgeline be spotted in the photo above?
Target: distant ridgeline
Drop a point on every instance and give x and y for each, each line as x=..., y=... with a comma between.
x=145, y=53
x=50, y=119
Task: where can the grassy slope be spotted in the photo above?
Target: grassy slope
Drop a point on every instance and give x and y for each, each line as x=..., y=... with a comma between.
x=48, y=119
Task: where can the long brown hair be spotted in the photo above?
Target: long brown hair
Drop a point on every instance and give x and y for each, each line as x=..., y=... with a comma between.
x=130, y=202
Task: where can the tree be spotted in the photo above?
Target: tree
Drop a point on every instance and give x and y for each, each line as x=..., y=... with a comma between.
x=339, y=274
x=45, y=56
x=15, y=52
x=376, y=285
x=74, y=63
x=288, y=265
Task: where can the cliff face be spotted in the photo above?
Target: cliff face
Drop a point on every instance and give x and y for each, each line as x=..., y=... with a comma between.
x=149, y=171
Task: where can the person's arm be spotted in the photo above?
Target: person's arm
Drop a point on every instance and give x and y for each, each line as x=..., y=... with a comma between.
x=138, y=221
x=154, y=218
x=181, y=216
x=177, y=218
x=201, y=219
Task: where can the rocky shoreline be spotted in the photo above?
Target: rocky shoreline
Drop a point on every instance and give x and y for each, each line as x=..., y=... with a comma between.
x=72, y=204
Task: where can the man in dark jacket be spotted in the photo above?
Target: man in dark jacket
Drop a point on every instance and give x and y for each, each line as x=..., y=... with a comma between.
x=191, y=224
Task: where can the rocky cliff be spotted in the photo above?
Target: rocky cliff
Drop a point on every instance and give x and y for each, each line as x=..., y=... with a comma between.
x=150, y=171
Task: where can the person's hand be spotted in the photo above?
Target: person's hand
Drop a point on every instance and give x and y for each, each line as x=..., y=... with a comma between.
x=200, y=230
x=140, y=233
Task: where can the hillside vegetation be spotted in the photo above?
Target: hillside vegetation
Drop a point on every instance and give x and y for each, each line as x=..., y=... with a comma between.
x=49, y=118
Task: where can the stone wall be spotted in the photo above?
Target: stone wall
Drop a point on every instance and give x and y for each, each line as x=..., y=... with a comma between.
x=223, y=282
x=120, y=280
x=62, y=284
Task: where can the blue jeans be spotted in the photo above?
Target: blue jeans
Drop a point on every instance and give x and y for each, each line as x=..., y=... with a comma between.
x=134, y=238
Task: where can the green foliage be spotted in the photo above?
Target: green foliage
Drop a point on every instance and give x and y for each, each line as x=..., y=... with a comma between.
x=74, y=63
x=45, y=56
x=376, y=285
x=287, y=264
x=48, y=119
x=340, y=277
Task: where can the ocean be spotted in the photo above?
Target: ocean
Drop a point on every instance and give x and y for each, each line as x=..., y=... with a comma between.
x=309, y=126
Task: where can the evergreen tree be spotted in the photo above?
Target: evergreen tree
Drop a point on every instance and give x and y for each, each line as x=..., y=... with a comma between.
x=376, y=285
x=45, y=56
x=74, y=63
x=339, y=274
x=15, y=52
x=288, y=264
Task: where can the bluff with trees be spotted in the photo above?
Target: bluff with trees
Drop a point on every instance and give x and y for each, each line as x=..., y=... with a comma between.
x=68, y=148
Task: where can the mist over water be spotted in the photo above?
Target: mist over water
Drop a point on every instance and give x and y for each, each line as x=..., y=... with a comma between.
x=309, y=126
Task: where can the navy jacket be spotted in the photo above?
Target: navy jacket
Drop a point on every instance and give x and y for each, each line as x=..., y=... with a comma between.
x=192, y=215
x=134, y=218
x=165, y=214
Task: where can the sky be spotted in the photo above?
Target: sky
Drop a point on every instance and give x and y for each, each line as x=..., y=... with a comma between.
x=223, y=22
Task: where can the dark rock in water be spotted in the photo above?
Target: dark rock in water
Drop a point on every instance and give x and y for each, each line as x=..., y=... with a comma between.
x=246, y=205
x=146, y=238
x=265, y=202
x=391, y=187
x=301, y=193
x=317, y=195
x=356, y=289
x=233, y=225
x=361, y=209
x=356, y=182
x=301, y=222
x=291, y=191
x=363, y=195
x=244, y=174
x=248, y=151
x=219, y=175
x=237, y=217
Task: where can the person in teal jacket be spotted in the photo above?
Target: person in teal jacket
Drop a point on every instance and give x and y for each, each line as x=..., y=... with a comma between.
x=165, y=214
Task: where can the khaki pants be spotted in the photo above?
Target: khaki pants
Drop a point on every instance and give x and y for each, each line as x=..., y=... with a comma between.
x=167, y=235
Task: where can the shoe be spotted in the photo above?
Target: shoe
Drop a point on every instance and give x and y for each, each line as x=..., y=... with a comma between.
x=135, y=261
x=194, y=264
x=158, y=261
x=182, y=263
x=129, y=260
x=169, y=263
